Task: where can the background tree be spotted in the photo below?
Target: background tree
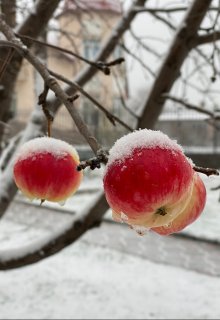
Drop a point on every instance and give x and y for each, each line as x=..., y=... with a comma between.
x=191, y=24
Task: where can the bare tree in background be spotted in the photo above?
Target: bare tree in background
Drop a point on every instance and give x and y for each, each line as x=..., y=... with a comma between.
x=192, y=52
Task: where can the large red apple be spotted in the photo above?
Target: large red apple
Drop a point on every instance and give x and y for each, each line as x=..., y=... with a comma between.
x=191, y=212
x=45, y=168
x=148, y=180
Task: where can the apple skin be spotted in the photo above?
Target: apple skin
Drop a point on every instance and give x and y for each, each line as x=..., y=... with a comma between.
x=45, y=174
x=149, y=187
x=191, y=212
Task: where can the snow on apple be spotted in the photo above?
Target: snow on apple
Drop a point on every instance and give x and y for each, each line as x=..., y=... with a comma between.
x=150, y=181
x=45, y=168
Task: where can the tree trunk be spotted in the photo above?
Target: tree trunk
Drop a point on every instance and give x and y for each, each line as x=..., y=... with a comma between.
x=182, y=44
x=34, y=24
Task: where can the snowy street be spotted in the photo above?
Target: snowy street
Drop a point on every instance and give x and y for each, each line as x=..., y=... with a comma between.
x=111, y=272
x=102, y=277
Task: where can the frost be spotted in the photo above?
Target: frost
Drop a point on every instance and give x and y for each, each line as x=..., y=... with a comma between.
x=140, y=229
x=190, y=161
x=56, y=147
x=62, y=203
x=124, y=146
x=124, y=217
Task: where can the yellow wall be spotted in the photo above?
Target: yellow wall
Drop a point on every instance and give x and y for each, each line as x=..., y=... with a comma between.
x=75, y=26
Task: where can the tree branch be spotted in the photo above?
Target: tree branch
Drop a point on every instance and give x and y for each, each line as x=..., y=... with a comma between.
x=111, y=117
x=167, y=10
x=81, y=224
x=206, y=171
x=170, y=69
x=32, y=26
x=37, y=124
x=35, y=128
x=207, y=38
x=192, y=107
x=50, y=83
x=107, y=48
x=100, y=65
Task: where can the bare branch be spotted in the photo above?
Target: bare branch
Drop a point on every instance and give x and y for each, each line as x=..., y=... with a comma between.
x=51, y=83
x=100, y=65
x=111, y=117
x=192, y=107
x=9, y=151
x=107, y=48
x=32, y=26
x=207, y=38
x=8, y=9
x=43, y=102
x=81, y=224
x=170, y=69
x=93, y=163
x=206, y=171
x=38, y=18
x=36, y=125
x=120, y=91
x=143, y=45
x=124, y=47
x=167, y=10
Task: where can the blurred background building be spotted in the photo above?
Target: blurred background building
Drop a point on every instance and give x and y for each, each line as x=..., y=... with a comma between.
x=80, y=26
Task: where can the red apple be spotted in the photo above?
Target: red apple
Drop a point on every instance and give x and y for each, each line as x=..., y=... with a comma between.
x=191, y=212
x=45, y=168
x=148, y=180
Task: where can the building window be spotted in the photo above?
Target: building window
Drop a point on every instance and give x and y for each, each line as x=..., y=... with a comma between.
x=91, y=48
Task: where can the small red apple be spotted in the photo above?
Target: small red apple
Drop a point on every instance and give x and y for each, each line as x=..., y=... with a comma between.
x=191, y=212
x=45, y=168
x=148, y=180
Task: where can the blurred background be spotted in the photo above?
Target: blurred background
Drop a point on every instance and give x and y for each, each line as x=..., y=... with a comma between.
x=169, y=81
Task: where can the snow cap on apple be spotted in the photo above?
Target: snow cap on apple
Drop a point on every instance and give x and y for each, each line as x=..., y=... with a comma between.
x=148, y=180
x=45, y=168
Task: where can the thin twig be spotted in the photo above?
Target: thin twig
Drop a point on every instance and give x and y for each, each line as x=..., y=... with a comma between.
x=207, y=171
x=42, y=101
x=102, y=66
x=166, y=10
x=6, y=62
x=50, y=82
x=192, y=107
x=95, y=162
x=111, y=117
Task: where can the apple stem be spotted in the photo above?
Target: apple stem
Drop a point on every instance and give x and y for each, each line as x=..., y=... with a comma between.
x=161, y=211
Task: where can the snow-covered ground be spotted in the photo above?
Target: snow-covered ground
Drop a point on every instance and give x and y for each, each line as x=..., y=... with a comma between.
x=88, y=281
